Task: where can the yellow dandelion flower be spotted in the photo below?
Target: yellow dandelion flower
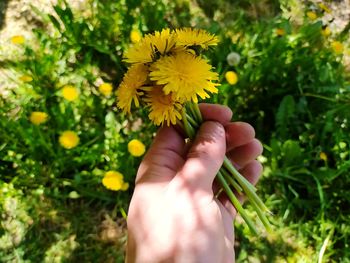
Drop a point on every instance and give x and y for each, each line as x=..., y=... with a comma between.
x=195, y=37
x=150, y=47
x=70, y=93
x=325, y=8
x=135, y=36
x=113, y=180
x=69, y=139
x=280, y=31
x=125, y=186
x=326, y=31
x=337, y=47
x=311, y=15
x=163, y=108
x=184, y=75
x=136, y=148
x=38, y=117
x=105, y=89
x=18, y=40
x=129, y=90
x=323, y=156
x=231, y=77
x=26, y=78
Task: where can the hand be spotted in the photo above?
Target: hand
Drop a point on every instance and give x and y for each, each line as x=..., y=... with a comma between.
x=174, y=215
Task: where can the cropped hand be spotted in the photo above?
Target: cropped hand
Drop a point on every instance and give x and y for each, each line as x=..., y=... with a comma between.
x=174, y=214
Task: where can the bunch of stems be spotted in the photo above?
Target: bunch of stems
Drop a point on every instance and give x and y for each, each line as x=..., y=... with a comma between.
x=228, y=176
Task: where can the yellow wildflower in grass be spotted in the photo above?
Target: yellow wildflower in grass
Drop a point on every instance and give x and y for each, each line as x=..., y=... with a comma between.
x=326, y=31
x=136, y=148
x=38, y=117
x=325, y=8
x=337, y=47
x=184, y=75
x=18, y=40
x=135, y=36
x=113, y=180
x=280, y=31
x=69, y=139
x=150, y=47
x=26, y=78
x=231, y=77
x=195, y=37
x=163, y=108
x=311, y=15
x=323, y=156
x=125, y=186
x=70, y=93
x=129, y=90
x=105, y=89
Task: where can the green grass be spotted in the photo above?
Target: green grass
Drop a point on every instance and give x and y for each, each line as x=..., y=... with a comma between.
x=294, y=89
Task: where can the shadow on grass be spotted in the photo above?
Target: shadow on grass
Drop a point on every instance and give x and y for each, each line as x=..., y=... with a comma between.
x=75, y=231
x=3, y=8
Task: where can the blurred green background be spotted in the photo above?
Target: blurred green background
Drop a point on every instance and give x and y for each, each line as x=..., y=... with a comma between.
x=290, y=62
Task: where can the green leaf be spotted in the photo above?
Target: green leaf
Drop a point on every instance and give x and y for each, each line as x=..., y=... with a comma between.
x=284, y=115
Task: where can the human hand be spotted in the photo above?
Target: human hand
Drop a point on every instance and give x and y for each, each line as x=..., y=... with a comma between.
x=174, y=215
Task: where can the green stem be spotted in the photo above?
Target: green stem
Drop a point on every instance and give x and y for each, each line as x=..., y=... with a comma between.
x=248, y=188
x=236, y=203
x=188, y=128
x=230, y=180
x=197, y=111
x=192, y=121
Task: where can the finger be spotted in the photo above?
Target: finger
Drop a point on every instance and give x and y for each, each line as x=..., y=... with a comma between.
x=165, y=154
x=252, y=171
x=205, y=156
x=215, y=112
x=244, y=154
x=227, y=204
x=238, y=134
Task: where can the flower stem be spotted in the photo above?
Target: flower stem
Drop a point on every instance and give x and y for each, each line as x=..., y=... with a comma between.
x=230, y=180
x=235, y=202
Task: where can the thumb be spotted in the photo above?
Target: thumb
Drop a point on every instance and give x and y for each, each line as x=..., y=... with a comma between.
x=205, y=156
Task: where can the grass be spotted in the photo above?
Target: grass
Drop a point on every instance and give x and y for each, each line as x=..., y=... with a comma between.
x=294, y=89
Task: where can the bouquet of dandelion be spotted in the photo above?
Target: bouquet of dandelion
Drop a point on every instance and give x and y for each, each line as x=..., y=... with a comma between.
x=167, y=75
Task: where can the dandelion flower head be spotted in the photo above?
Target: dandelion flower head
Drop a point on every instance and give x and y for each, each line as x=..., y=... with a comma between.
x=323, y=156
x=195, y=37
x=69, y=139
x=70, y=93
x=311, y=15
x=129, y=90
x=151, y=47
x=113, y=180
x=105, y=89
x=280, y=31
x=136, y=148
x=163, y=108
x=18, y=40
x=38, y=117
x=326, y=31
x=167, y=71
x=125, y=186
x=26, y=78
x=337, y=47
x=185, y=75
x=135, y=36
x=231, y=77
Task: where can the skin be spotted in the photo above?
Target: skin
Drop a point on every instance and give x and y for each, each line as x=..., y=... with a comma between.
x=174, y=214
